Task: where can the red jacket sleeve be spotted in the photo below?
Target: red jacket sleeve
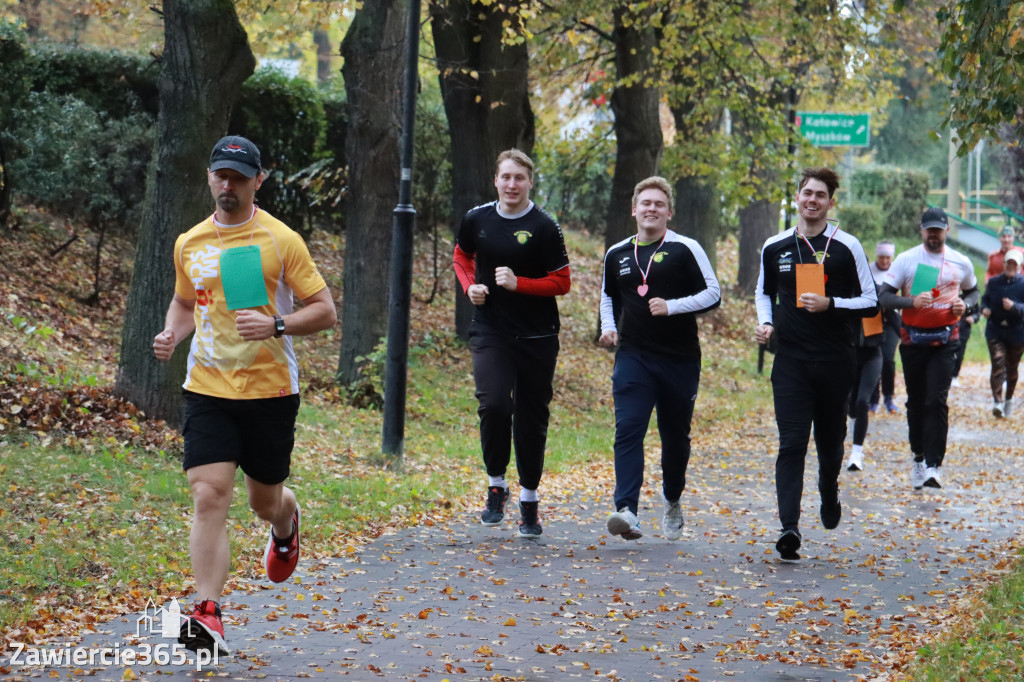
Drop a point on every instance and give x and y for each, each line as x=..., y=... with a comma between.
x=554, y=283
x=465, y=268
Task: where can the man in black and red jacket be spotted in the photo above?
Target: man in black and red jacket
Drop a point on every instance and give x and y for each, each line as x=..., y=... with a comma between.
x=511, y=262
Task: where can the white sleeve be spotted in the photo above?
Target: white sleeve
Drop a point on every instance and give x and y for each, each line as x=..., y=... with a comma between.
x=607, y=308
x=702, y=301
x=762, y=301
x=868, y=298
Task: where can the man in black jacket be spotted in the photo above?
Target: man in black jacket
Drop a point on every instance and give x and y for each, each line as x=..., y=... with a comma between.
x=1003, y=305
x=819, y=280
x=655, y=284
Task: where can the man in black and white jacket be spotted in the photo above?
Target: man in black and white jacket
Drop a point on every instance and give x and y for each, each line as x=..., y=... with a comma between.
x=655, y=284
x=815, y=286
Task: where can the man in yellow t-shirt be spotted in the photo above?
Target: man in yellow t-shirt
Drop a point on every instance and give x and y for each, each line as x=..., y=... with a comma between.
x=237, y=275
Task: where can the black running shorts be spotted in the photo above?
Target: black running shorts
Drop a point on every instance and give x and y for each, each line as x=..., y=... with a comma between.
x=257, y=435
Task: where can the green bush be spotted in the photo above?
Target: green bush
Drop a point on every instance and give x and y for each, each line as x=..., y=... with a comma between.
x=285, y=118
x=574, y=178
x=14, y=88
x=324, y=183
x=864, y=221
x=432, y=180
x=94, y=176
x=114, y=83
x=900, y=194
x=14, y=83
x=82, y=143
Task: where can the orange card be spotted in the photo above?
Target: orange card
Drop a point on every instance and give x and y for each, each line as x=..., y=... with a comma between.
x=810, y=279
x=872, y=325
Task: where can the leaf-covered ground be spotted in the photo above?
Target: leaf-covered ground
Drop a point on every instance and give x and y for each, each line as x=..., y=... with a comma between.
x=392, y=585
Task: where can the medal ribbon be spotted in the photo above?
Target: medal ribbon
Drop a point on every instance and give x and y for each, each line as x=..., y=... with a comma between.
x=642, y=289
x=813, y=252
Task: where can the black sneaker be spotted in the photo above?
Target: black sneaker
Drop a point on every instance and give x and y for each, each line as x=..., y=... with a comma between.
x=497, y=500
x=529, y=526
x=788, y=544
x=831, y=509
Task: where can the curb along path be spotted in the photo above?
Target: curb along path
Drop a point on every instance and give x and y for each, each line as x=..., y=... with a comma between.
x=465, y=602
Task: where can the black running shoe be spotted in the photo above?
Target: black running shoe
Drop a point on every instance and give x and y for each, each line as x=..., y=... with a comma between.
x=529, y=525
x=788, y=544
x=831, y=509
x=497, y=500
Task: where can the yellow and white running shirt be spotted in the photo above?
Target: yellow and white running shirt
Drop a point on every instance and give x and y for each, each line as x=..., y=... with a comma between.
x=220, y=362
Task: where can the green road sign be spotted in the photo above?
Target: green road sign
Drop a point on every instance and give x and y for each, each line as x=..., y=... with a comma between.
x=829, y=129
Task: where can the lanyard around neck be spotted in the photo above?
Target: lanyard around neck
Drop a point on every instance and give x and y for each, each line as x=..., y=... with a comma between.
x=642, y=289
x=942, y=264
x=216, y=228
x=828, y=243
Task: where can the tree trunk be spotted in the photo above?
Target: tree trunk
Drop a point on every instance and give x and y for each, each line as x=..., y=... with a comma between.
x=758, y=220
x=5, y=187
x=698, y=212
x=323, y=55
x=486, y=99
x=1011, y=161
x=374, y=54
x=206, y=59
x=635, y=105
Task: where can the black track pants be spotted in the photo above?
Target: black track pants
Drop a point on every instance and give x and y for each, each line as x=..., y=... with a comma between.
x=808, y=392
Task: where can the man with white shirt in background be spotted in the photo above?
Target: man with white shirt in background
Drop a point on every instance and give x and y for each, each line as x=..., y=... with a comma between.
x=932, y=285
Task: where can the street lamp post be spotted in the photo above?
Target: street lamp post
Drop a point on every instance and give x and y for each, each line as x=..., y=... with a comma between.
x=403, y=224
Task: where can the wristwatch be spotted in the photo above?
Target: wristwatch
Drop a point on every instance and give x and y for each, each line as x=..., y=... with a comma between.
x=278, y=326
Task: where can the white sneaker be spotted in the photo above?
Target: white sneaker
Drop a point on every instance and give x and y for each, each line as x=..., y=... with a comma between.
x=856, y=461
x=672, y=521
x=1008, y=407
x=917, y=475
x=998, y=409
x=955, y=382
x=931, y=477
x=624, y=523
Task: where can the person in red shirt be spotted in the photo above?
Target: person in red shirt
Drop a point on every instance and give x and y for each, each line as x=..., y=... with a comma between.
x=995, y=259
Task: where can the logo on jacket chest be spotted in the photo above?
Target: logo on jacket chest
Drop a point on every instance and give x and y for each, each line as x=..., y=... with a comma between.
x=785, y=261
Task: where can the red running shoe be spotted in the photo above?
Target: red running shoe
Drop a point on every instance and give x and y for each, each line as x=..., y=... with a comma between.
x=203, y=629
x=281, y=559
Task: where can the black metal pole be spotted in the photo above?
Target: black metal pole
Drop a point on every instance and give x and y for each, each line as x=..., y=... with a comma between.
x=400, y=296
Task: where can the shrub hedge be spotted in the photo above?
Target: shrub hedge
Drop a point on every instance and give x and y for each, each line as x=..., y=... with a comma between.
x=287, y=118
x=900, y=195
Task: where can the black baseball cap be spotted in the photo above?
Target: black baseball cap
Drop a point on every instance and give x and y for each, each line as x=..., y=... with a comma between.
x=936, y=218
x=237, y=153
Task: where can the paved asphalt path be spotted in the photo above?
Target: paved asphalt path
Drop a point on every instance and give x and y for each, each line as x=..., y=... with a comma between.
x=458, y=601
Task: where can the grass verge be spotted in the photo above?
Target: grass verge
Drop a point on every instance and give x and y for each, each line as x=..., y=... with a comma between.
x=986, y=644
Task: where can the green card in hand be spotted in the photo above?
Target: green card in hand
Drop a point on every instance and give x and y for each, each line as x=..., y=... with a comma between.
x=926, y=278
x=241, y=275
